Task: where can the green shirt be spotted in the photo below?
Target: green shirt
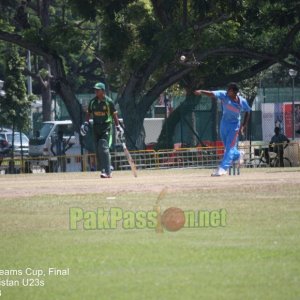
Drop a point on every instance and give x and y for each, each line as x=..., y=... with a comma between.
x=102, y=111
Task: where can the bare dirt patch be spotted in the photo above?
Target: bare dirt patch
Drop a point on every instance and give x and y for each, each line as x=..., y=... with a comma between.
x=14, y=186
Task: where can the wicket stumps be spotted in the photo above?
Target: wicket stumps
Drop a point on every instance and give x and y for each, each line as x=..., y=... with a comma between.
x=234, y=169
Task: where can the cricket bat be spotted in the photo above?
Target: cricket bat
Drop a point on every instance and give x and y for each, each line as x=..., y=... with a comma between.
x=129, y=159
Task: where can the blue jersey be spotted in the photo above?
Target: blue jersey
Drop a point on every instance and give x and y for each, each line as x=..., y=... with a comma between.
x=231, y=109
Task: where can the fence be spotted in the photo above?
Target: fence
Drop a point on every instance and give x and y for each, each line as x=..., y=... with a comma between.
x=195, y=157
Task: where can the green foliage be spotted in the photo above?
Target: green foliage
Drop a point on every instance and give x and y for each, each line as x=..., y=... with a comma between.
x=85, y=8
x=121, y=40
x=63, y=38
x=117, y=39
x=147, y=32
x=202, y=9
x=15, y=106
x=126, y=33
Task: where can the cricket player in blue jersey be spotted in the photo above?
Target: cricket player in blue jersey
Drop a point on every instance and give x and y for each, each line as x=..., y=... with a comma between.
x=232, y=105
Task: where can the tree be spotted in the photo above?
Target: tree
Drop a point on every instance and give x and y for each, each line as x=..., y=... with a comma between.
x=57, y=62
x=141, y=46
x=213, y=38
x=15, y=105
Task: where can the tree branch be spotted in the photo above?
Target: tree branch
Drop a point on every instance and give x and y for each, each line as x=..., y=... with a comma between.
x=160, y=12
x=18, y=40
x=36, y=76
x=167, y=80
x=210, y=21
x=139, y=78
x=239, y=76
x=241, y=52
x=287, y=43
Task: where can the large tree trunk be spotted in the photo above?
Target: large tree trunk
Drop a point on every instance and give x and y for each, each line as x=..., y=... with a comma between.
x=46, y=103
x=165, y=140
x=64, y=90
x=133, y=118
x=43, y=12
x=134, y=130
x=134, y=104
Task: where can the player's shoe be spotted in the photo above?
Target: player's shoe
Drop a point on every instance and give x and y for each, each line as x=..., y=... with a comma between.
x=219, y=172
x=104, y=175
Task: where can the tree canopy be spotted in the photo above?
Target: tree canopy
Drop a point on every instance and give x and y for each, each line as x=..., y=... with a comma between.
x=15, y=105
x=135, y=45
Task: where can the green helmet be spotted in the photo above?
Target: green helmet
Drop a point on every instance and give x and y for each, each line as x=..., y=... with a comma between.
x=99, y=86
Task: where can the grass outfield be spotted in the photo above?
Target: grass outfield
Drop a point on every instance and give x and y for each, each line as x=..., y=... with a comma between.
x=256, y=255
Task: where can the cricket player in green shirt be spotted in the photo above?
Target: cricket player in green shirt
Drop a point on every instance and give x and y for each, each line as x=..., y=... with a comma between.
x=102, y=110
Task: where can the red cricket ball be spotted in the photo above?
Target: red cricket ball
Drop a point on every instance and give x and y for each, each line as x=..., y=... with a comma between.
x=173, y=219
